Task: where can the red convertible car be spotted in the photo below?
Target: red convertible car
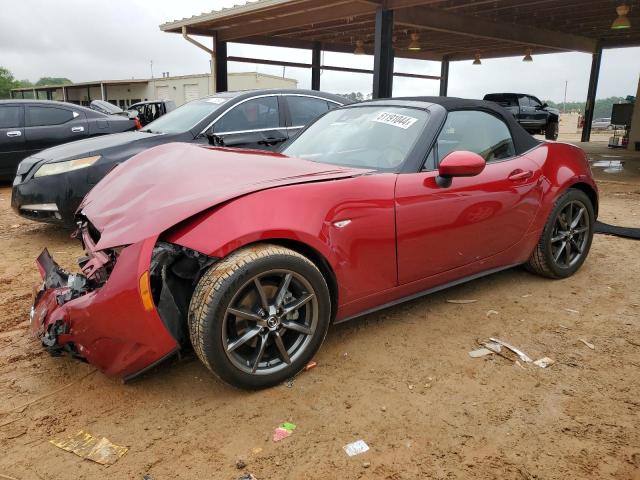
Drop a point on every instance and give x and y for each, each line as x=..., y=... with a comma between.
x=250, y=256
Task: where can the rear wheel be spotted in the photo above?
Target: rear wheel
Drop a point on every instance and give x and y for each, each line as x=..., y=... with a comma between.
x=566, y=238
x=258, y=316
x=551, y=132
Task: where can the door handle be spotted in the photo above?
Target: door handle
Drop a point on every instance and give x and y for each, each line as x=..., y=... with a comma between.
x=14, y=133
x=77, y=129
x=271, y=141
x=520, y=175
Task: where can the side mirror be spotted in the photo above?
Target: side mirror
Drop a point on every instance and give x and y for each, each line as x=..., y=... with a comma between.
x=460, y=163
x=214, y=139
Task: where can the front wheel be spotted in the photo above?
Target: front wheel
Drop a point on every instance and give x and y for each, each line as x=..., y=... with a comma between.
x=566, y=238
x=258, y=316
x=551, y=132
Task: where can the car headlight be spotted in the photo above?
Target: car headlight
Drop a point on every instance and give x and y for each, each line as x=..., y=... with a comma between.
x=68, y=166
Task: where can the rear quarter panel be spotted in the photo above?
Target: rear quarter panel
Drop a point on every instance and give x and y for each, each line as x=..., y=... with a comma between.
x=361, y=254
x=563, y=166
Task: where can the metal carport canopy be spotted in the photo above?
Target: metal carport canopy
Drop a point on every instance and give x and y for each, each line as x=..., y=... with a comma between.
x=448, y=30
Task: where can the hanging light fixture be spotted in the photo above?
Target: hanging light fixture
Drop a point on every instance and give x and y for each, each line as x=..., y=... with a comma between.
x=414, y=45
x=477, y=60
x=622, y=21
x=527, y=57
x=359, y=48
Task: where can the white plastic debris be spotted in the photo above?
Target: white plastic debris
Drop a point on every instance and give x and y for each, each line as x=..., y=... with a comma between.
x=491, y=312
x=356, y=448
x=523, y=356
x=481, y=352
x=461, y=302
x=588, y=344
x=571, y=310
x=544, y=362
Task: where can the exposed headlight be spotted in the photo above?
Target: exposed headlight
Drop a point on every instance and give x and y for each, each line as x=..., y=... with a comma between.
x=63, y=167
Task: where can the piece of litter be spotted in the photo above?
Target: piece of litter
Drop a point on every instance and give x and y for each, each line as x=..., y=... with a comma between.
x=491, y=312
x=289, y=383
x=288, y=426
x=563, y=326
x=544, y=362
x=280, y=434
x=461, y=302
x=240, y=464
x=366, y=464
x=410, y=387
x=571, y=310
x=493, y=346
x=590, y=345
x=356, y=448
x=247, y=476
x=283, y=431
x=520, y=365
x=527, y=295
x=87, y=446
x=310, y=365
x=481, y=352
x=523, y=356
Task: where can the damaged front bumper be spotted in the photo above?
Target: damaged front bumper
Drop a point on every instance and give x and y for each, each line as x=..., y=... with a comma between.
x=107, y=315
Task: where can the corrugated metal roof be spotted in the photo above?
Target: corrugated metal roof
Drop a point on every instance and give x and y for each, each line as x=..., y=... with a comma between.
x=222, y=13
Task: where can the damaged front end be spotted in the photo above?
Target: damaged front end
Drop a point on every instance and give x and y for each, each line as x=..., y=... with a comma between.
x=126, y=311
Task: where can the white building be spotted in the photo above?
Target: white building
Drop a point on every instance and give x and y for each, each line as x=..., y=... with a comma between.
x=180, y=89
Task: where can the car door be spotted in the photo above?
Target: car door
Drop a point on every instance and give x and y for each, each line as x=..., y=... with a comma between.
x=439, y=229
x=526, y=117
x=47, y=126
x=303, y=109
x=256, y=122
x=539, y=115
x=12, y=144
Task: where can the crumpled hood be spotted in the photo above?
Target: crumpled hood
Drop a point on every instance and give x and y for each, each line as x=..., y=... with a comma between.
x=162, y=186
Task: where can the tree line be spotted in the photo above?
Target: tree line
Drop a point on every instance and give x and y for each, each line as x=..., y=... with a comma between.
x=8, y=82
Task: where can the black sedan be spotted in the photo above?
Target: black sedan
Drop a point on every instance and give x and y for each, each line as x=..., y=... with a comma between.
x=28, y=126
x=50, y=185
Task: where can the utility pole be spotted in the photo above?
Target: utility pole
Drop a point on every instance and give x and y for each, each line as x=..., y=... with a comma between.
x=564, y=102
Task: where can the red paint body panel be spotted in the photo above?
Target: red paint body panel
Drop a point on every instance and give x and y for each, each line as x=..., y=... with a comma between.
x=362, y=254
x=164, y=185
x=403, y=235
x=109, y=326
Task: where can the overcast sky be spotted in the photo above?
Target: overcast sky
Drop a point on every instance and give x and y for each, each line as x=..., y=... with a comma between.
x=90, y=40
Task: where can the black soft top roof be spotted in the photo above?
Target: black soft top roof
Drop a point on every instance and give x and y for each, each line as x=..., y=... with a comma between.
x=522, y=140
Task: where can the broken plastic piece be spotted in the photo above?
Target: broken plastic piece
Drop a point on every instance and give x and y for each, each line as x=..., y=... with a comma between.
x=544, y=362
x=87, y=446
x=356, y=448
x=310, y=365
x=523, y=356
x=481, y=352
x=571, y=310
x=283, y=431
x=461, y=302
x=588, y=344
x=491, y=312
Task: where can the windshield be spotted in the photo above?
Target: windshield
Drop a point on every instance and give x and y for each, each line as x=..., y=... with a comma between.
x=186, y=117
x=377, y=137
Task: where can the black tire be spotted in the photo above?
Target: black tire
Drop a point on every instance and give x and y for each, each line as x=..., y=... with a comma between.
x=551, y=132
x=229, y=306
x=544, y=260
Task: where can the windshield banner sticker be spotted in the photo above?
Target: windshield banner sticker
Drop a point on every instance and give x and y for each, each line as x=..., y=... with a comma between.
x=396, y=120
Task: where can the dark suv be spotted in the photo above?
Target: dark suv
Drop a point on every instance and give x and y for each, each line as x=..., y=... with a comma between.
x=535, y=116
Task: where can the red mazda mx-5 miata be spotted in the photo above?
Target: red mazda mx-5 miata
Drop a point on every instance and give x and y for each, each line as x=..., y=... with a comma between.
x=249, y=256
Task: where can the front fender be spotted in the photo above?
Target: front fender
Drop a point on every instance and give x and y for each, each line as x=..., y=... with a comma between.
x=361, y=251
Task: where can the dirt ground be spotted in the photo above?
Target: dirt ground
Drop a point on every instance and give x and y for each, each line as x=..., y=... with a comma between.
x=400, y=379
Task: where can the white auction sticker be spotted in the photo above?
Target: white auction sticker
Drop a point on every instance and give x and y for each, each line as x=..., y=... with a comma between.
x=216, y=100
x=395, y=119
x=356, y=448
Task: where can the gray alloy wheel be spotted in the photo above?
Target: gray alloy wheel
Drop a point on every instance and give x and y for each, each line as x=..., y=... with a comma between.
x=552, y=130
x=258, y=316
x=566, y=238
x=270, y=322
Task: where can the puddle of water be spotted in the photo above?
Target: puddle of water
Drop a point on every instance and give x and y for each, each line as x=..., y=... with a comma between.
x=610, y=166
